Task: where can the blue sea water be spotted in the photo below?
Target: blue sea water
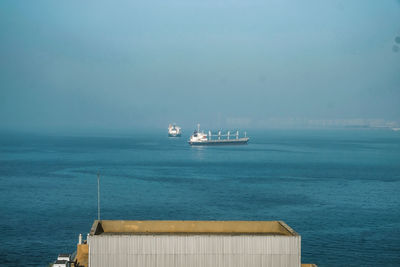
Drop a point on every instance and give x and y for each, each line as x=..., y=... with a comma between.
x=339, y=189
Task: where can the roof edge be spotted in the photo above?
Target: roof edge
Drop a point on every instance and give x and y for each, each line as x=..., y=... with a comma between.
x=191, y=227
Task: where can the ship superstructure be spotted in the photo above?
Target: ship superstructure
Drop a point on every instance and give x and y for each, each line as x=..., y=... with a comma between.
x=200, y=138
x=174, y=131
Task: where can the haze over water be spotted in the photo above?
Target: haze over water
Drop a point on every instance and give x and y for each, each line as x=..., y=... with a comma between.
x=80, y=66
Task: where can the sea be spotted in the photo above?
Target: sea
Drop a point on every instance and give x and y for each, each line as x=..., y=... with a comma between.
x=338, y=188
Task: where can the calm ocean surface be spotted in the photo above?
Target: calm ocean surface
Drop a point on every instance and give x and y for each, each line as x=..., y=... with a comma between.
x=339, y=189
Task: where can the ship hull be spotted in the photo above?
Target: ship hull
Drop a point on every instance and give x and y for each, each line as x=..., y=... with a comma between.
x=174, y=135
x=241, y=141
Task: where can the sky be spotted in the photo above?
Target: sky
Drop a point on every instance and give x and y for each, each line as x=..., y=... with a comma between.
x=125, y=65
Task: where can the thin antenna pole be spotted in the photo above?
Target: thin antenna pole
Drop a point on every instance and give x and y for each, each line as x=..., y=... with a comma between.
x=98, y=196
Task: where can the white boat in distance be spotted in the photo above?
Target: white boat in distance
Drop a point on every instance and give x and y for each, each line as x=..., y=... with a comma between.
x=201, y=138
x=174, y=131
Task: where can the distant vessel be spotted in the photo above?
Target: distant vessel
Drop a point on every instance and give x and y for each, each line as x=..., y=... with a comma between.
x=174, y=131
x=396, y=129
x=201, y=138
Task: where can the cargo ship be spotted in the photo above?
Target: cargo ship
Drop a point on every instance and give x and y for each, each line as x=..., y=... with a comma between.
x=174, y=131
x=200, y=138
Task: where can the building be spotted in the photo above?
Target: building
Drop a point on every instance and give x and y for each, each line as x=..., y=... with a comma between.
x=61, y=263
x=63, y=260
x=192, y=243
x=66, y=257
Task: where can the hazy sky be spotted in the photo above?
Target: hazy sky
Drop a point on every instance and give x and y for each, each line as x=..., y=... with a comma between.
x=121, y=64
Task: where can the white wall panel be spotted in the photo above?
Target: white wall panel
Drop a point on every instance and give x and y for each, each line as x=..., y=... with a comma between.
x=194, y=251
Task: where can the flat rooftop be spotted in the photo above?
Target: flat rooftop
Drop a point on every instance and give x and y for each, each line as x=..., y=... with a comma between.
x=122, y=227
